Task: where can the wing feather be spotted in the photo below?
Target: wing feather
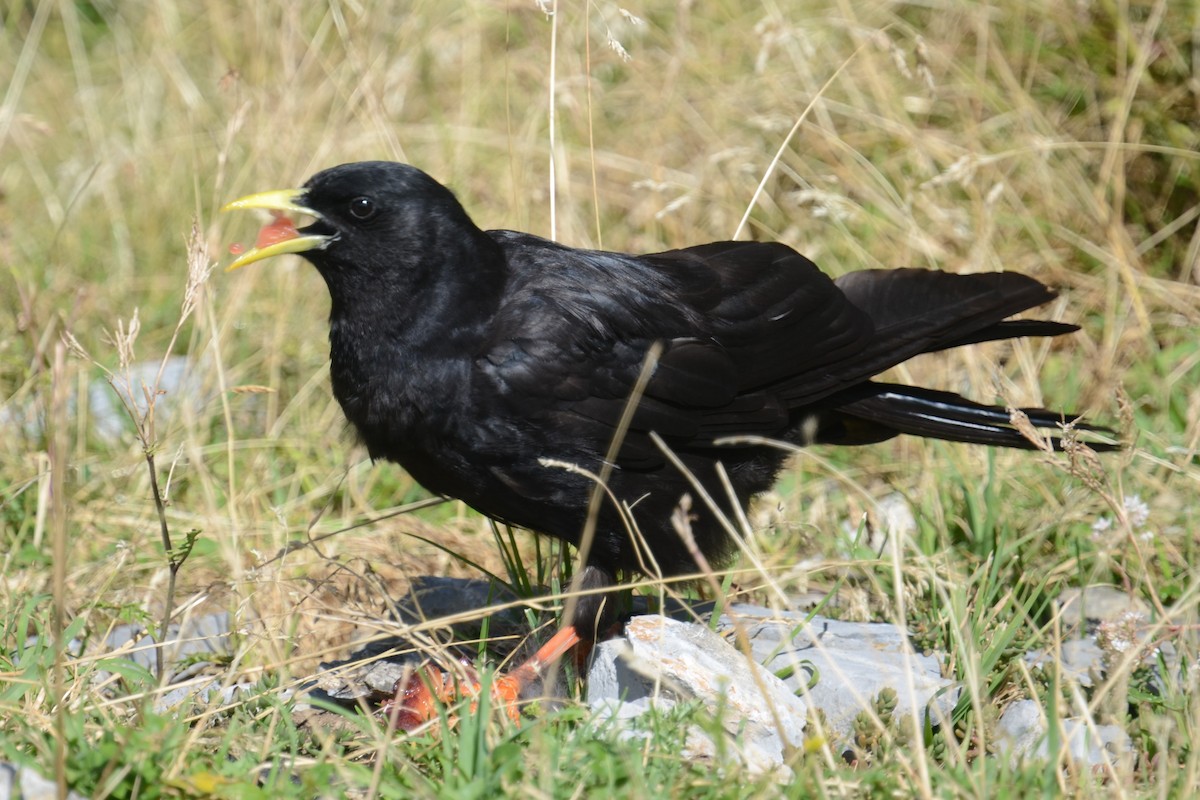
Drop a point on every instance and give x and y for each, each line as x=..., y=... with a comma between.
x=754, y=336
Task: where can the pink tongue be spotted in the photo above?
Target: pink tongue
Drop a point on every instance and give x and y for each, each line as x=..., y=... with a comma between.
x=280, y=230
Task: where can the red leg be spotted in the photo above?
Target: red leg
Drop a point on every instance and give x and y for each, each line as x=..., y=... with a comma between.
x=418, y=696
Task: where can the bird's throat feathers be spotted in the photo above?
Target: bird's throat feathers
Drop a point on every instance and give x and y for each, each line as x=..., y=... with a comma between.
x=420, y=297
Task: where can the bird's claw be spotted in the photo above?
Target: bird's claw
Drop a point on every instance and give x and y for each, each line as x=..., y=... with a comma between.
x=417, y=697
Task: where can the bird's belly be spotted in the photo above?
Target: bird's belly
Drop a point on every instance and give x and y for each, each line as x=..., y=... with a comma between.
x=499, y=476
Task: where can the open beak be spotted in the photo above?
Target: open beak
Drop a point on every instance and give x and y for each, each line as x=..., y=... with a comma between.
x=280, y=236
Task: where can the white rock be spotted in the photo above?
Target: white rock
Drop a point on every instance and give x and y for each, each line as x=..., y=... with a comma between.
x=26, y=783
x=851, y=662
x=659, y=662
x=1022, y=735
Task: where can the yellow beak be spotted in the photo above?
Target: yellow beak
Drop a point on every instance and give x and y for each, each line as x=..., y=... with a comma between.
x=283, y=200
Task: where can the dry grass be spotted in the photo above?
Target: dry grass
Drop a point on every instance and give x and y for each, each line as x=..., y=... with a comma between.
x=1054, y=139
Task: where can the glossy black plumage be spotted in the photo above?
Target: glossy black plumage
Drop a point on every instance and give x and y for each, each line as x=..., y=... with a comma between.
x=474, y=358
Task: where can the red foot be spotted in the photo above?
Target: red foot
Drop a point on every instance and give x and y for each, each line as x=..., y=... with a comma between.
x=417, y=698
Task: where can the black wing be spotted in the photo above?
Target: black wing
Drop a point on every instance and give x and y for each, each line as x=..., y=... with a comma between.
x=754, y=334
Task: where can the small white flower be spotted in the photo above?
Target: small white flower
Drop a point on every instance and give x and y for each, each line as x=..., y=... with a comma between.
x=1101, y=527
x=1119, y=634
x=1137, y=510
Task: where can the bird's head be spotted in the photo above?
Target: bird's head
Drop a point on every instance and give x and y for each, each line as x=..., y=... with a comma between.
x=373, y=221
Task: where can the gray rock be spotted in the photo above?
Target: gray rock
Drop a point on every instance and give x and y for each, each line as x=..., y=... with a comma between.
x=26, y=783
x=659, y=663
x=1082, y=660
x=202, y=692
x=208, y=634
x=202, y=635
x=349, y=682
x=433, y=597
x=896, y=516
x=1022, y=735
x=1021, y=728
x=109, y=417
x=847, y=663
x=891, y=518
x=74, y=647
x=1086, y=608
x=1079, y=660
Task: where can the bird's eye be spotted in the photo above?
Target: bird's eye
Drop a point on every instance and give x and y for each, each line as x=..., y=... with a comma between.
x=362, y=208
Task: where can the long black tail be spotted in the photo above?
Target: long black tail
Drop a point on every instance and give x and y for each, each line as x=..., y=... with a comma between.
x=874, y=412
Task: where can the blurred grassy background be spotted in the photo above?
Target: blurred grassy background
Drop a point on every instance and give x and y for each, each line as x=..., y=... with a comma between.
x=1057, y=139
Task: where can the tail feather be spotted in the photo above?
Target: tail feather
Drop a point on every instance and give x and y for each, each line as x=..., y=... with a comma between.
x=916, y=311
x=876, y=411
x=1008, y=329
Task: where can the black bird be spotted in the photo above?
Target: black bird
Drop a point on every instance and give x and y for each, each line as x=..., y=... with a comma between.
x=496, y=366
